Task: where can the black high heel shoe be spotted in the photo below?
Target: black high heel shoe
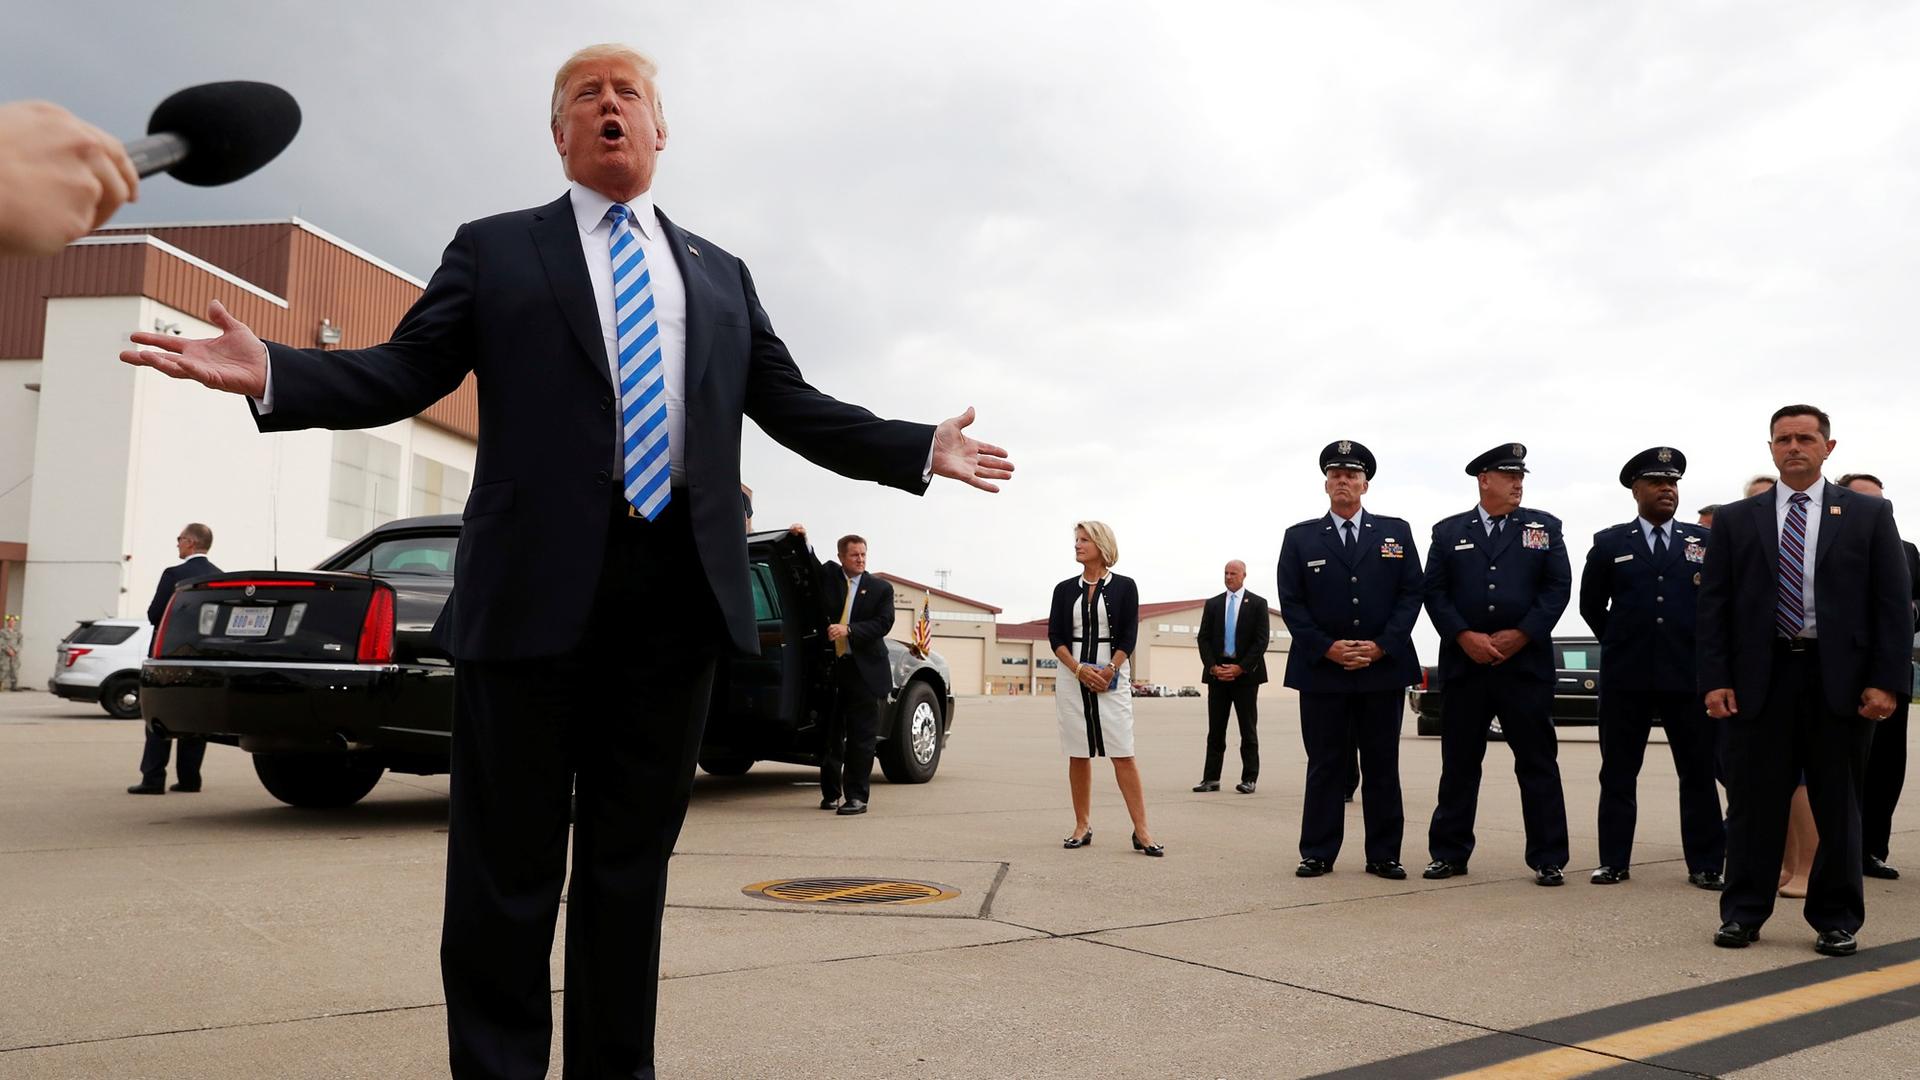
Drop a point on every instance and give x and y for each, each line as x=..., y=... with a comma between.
x=1072, y=842
x=1154, y=850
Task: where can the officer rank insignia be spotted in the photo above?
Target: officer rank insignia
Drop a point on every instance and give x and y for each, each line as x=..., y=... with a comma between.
x=1534, y=537
x=1392, y=549
x=1696, y=551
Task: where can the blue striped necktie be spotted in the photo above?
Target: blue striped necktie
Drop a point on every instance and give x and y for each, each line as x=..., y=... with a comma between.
x=643, y=381
x=1790, y=611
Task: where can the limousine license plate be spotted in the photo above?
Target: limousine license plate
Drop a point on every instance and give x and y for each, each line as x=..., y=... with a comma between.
x=249, y=621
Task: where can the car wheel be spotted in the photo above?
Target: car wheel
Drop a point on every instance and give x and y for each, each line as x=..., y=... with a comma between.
x=1425, y=724
x=317, y=781
x=911, y=754
x=120, y=696
x=726, y=766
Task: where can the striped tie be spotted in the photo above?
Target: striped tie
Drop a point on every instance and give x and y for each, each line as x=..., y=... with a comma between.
x=643, y=381
x=1790, y=613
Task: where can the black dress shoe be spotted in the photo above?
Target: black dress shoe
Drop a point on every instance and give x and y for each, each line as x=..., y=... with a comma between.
x=1391, y=870
x=1878, y=868
x=146, y=789
x=1551, y=875
x=1072, y=842
x=1207, y=785
x=1610, y=875
x=1441, y=868
x=1245, y=787
x=851, y=807
x=1710, y=880
x=1835, y=943
x=829, y=804
x=1154, y=850
x=1735, y=935
x=188, y=788
x=1312, y=868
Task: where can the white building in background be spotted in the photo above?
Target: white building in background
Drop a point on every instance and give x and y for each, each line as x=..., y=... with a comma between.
x=102, y=463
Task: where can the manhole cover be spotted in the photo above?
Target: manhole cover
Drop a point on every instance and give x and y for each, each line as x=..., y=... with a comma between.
x=850, y=891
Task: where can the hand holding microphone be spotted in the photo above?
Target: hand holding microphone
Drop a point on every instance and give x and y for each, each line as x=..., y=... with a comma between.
x=61, y=178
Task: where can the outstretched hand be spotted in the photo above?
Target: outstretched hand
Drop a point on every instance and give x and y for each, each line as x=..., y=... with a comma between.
x=235, y=361
x=967, y=460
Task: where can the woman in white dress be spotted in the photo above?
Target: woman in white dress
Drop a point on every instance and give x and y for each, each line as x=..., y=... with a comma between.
x=1093, y=626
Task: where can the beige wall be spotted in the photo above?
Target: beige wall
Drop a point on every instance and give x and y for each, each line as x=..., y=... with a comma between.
x=961, y=632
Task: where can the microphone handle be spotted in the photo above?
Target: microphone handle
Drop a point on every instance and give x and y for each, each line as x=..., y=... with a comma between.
x=157, y=153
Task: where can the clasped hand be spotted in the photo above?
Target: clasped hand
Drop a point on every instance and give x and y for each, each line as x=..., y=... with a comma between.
x=1494, y=648
x=1094, y=678
x=1354, y=655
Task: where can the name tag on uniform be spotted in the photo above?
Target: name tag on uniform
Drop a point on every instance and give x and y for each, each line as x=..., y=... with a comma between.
x=1464, y=545
x=1316, y=562
x=1534, y=538
x=1623, y=558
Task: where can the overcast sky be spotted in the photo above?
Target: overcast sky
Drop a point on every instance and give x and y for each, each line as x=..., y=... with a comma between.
x=1168, y=251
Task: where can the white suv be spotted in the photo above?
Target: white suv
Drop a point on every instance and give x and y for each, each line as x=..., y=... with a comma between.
x=100, y=661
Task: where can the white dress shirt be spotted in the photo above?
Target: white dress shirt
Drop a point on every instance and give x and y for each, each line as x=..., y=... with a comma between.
x=669, y=306
x=1815, y=494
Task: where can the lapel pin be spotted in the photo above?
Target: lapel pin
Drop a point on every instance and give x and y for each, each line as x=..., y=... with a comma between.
x=1834, y=511
x=691, y=250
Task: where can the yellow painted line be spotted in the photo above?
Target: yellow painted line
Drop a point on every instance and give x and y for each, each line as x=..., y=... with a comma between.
x=1641, y=1043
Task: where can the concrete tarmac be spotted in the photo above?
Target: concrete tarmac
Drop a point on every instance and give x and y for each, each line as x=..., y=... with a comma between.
x=225, y=935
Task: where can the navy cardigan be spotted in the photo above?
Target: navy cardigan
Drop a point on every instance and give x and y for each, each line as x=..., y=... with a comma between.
x=1120, y=599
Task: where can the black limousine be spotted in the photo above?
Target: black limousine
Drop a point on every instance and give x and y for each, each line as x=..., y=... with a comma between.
x=329, y=678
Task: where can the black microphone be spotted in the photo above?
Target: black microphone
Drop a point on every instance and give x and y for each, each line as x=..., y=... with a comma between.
x=216, y=133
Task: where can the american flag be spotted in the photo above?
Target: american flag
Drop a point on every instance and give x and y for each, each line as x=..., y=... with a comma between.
x=923, y=629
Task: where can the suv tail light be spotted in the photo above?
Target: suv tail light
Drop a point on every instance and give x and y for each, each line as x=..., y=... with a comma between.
x=75, y=653
x=376, y=630
x=160, y=632
x=1424, y=673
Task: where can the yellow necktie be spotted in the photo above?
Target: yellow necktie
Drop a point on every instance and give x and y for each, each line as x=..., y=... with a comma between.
x=846, y=616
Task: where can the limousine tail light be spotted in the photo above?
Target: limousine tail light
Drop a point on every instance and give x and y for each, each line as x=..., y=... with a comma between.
x=376, y=630
x=160, y=632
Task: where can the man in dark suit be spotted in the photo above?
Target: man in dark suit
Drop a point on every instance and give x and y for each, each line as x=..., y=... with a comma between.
x=616, y=356
x=1887, y=759
x=1497, y=581
x=1805, y=637
x=1234, y=628
x=1350, y=588
x=861, y=607
x=192, y=545
x=1637, y=593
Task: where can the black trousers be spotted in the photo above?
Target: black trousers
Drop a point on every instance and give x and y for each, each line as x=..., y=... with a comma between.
x=1333, y=727
x=1886, y=775
x=1766, y=751
x=1626, y=719
x=153, y=759
x=846, y=765
x=1525, y=708
x=615, y=724
x=1243, y=699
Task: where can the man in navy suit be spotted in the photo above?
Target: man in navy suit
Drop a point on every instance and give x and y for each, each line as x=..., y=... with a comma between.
x=1805, y=638
x=1887, y=760
x=1234, y=628
x=1637, y=593
x=616, y=356
x=1350, y=589
x=192, y=545
x=861, y=607
x=1498, y=579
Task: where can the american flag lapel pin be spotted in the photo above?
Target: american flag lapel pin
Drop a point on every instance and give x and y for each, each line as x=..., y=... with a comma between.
x=1833, y=511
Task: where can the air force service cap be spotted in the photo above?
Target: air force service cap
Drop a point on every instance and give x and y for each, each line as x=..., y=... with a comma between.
x=1507, y=457
x=1659, y=462
x=1347, y=454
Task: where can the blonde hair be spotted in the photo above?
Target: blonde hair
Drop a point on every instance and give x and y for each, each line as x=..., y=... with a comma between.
x=642, y=64
x=1102, y=537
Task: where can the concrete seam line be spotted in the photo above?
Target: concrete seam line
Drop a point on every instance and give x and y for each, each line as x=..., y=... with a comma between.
x=224, y=1027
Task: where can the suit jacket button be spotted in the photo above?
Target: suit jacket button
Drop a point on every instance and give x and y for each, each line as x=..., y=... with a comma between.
x=606, y=403
x=1659, y=577
x=1493, y=568
x=1354, y=580
x=1659, y=620
x=1356, y=622
x=1356, y=599
x=601, y=477
x=1489, y=607
x=1659, y=599
x=1490, y=585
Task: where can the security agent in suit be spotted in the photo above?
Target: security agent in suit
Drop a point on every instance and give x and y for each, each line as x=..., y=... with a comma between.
x=1234, y=628
x=861, y=607
x=1887, y=759
x=1497, y=581
x=192, y=545
x=1350, y=590
x=1805, y=637
x=1637, y=593
x=586, y=568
